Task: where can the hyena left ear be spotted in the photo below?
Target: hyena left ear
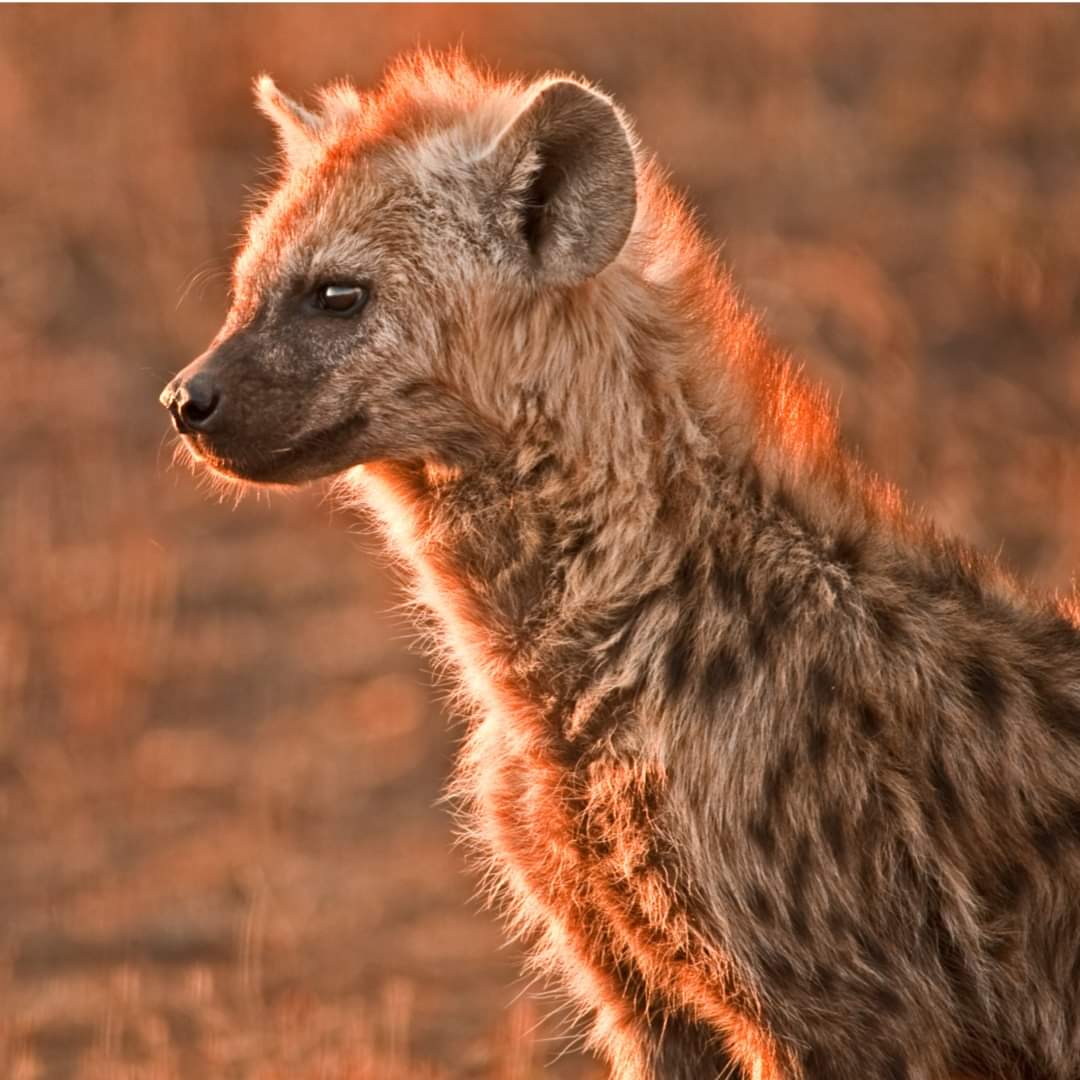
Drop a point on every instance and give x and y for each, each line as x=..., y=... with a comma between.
x=570, y=191
x=297, y=127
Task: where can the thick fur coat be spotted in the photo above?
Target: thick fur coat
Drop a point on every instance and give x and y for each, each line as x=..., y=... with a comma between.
x=773, y=779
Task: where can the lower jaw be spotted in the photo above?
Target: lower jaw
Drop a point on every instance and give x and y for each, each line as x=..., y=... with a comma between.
x=290, y=473
x=295, y=465
x=291, y=470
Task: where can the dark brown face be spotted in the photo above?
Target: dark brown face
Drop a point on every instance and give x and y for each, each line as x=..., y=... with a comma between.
x=280, y=399
x=325, y=360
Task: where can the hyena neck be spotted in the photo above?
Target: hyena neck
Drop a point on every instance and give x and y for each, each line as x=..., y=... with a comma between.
x=647, y=456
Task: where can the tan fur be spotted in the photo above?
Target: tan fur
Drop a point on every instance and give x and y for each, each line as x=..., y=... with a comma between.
x=770, y=776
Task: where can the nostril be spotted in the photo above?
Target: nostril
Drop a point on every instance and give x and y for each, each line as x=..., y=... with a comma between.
x=196, y=401
x=198, y=412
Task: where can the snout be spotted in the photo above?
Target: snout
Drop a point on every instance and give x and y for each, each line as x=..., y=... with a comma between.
x=246, y=415
x=193, y=401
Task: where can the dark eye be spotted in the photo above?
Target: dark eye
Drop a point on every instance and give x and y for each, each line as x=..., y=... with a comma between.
x=340, y=299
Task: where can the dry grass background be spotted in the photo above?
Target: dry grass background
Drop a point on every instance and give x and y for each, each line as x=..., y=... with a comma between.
x=218, y=757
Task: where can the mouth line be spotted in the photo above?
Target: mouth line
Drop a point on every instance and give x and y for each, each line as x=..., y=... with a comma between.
x=328, y=437
x=267, y=463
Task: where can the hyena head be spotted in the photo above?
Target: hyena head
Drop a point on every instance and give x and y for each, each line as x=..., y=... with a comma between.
x=413, y=236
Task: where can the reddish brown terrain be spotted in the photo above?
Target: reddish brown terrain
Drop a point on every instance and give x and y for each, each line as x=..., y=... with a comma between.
x=221, y=853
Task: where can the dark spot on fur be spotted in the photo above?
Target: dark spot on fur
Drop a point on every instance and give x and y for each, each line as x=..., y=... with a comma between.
x=1054, y=635
x=838, y=921
x=821, y=693
x=730, y=584
x=822, y=686
x=686, y=576
x=777, y=967
x=951, y=576
x=1051, y=836
x=896, y=1068
x=816, y=1063
x=683, y=1044
x=784, y=503
x=799, y=926
x=935, y=580
x=798, y=869
x=872, y=950
x=1003, y=947
x=1074, y=968
x=721, y=672
x=1014, y=882
x=1004, y=889
x=1060, y=715
x=667, y=512
x=870, y=722
x=953, y=962
x=761, y=906
x=906, y=871
x=888, y=1000
x=871, y=830
x=987, y=688
x=762, y=835
x=817, y=743
x=833, y=829
x=887, y=621
x=751, y=485
x=759, y=640
x=847, y=551
x=777, y=778
x=769, y=621
x=1047, y=842
x=944, y=789
x=826, y=979
x=680, y=658
x=1071, y=818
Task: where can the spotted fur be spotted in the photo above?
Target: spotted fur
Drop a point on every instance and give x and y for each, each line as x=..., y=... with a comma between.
x=772, y=778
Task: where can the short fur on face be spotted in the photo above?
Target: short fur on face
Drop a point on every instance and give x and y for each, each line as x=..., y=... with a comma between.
x=775, y=780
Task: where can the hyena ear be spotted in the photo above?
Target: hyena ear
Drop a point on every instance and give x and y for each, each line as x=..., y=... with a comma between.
x=567, y=177
x=297, y=127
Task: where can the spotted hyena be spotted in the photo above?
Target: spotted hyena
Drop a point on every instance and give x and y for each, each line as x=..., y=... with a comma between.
x=774, y=778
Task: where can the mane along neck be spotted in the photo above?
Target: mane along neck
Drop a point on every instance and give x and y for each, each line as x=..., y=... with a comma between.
x=657, y=356
x=652, y=438
x=645, y=409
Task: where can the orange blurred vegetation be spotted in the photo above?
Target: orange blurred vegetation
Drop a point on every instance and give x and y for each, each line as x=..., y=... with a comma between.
x=219, y=759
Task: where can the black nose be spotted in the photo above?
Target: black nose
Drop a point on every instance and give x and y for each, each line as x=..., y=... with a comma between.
x=192, y=402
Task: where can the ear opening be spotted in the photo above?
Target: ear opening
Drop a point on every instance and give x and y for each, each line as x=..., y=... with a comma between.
x=571, y=182
x=536, y=205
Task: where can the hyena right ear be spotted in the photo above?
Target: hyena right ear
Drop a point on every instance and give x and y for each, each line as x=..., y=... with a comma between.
x=297, y=127
x=567, y=185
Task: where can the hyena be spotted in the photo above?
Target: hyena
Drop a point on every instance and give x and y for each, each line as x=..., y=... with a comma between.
x=776, y=780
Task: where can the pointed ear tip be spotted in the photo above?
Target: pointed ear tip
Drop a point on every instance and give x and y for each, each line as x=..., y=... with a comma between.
x=264, y=86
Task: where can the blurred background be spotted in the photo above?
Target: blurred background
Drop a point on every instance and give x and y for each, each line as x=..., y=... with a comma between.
x=220, y=849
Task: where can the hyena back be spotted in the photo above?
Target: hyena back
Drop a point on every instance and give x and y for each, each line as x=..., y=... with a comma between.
x=774, y=779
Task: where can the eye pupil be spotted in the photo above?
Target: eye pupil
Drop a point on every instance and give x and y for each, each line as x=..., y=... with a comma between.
x=340, y=299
